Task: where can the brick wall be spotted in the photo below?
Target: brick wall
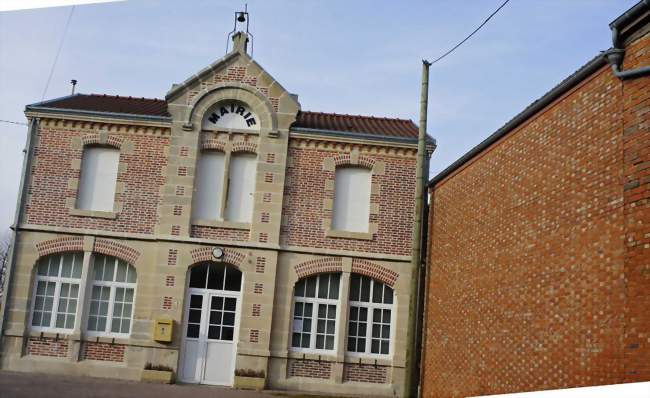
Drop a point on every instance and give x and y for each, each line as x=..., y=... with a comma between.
x=54, y=155
x=303, y=209
x=103, y=352
x=365, y=373
x=636, y=179
x=309, y=368
x=538, y=260
x=47, y=347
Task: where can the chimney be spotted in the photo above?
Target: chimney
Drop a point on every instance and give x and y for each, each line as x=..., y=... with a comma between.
x=240, y=42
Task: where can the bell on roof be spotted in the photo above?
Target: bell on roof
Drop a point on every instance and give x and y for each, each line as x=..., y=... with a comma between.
x=240, y=33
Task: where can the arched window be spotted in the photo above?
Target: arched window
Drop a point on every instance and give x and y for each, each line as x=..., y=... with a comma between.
x=98, y=179
x=369, y=327
x=57, y=292
x=351, y=210
x=112, y=296
x=315, y=312
x=215, y=276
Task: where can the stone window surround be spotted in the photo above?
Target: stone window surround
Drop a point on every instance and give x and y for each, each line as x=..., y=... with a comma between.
x=102, y=138
x=345, y=266
x=88, y=245
x=227, y=147
x=354, y=158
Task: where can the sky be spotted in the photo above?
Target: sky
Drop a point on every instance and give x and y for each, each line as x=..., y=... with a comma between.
x=355, y=57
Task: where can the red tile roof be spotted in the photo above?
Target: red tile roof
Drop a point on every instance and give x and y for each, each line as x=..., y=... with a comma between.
x=381, y=126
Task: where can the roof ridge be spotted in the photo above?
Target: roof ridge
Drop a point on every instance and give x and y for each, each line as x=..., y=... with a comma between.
x=122, y=96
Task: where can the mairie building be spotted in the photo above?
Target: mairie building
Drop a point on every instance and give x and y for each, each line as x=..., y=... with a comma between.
x=221, y=233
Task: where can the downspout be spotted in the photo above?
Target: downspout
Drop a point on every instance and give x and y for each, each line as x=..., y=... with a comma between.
x=615, y=55
x=22, y=193
x=412, y=351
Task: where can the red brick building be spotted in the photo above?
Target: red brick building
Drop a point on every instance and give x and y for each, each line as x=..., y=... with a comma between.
x=222, y=233
x=539, y=239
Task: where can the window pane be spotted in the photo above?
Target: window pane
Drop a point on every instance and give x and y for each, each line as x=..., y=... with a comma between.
x=355, y=287
x=239, y=205
x=295, y=340
x=77, y=265
x=66, y=271
x=198, y=276
x=214, y=332
x=216, y=273
x=192, y=330
x=233, y=279
x=365, y=289
x=208, y=186
x=121, y=272
x=42, y=267
x=230, y=304
x=55, y=264
x=311, y=287
x=109, y=270
x=98, y=267
x=377, y=292
x=323, y=285
x=299, y=290
x=351, y=199
x=227, y=333
x=98, y=178
x=131, y=276
x=334, y=286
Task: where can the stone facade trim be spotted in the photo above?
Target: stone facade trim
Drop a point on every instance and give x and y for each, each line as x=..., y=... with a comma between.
x=102, y=138
x=375, y=271
x=59, y=245
x=112, y=248
x=244, y=146
x=230, y=256
x=319, y=266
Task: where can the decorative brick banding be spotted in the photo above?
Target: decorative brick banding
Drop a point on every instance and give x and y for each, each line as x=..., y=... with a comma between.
x=375, y=271
x=59, y=245
x=115, y=141
x=260, y=264
x=254, y=336
x=103, y=352
x=346, y=159
x=365, y=373
x=47, y=347
x=213, y=145
x=230, y=256
x=172, y=256
x=112, y=248
x=167, y=303
x=319, y=266
x=309, y=368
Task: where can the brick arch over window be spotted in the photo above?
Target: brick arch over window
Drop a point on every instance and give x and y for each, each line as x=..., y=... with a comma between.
x=375, y=271
x=59, y=245
x=319, y=266
x=244, y=146
x=347, y=159
x=230, y=256
x=112, y=248
x=114, y=141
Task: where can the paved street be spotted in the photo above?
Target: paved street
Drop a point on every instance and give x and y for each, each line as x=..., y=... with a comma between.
x=29, y=385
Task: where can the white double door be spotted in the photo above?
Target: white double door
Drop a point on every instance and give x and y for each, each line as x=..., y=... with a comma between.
x=210, y=332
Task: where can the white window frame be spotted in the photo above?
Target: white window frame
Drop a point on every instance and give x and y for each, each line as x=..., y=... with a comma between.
x=113, y=285
x=84, y=179
x=222, y=202
x=371, y=306
x=315, y=301
x=58, y=281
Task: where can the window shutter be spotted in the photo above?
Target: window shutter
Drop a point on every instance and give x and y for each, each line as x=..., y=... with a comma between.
x=98, y=179
x=239, y=207
x=351, y=199
x=209, y=186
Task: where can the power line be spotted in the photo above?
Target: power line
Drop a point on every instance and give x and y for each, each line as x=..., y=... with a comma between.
x=471, y=34
x=56, y=58
x=11, y=122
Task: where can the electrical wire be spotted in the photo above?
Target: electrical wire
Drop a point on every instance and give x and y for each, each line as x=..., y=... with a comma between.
x=470, y=35
x=10, y=122
x=56, y=58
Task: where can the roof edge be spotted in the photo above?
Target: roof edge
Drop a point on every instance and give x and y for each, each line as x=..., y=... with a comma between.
x=630, y=15
x=587, y=70
x=368, y=136
x=112, y=115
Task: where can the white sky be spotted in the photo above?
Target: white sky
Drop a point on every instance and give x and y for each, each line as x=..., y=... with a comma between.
x=356, y=57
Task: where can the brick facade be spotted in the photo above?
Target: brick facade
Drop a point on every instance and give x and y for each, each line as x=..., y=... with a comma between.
x=47, y=347
x=365, y=373
x=309, y=368
x=538, y=252
x=103, y=352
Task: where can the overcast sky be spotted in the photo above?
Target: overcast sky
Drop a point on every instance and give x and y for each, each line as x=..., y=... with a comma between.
x=355, y=57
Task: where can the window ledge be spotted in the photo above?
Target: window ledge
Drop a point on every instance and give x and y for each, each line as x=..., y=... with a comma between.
x=93, y=213
x=103, y=338
x=222, y=224
x=53, y=334
x=332, y=233
x=312, y=354
x=368, y=359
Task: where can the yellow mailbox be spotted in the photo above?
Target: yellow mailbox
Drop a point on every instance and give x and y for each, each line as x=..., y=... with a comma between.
x=162, y=330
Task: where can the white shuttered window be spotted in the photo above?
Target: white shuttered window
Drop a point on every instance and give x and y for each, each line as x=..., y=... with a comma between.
x=209, y=186
x=239, y=205
x=351, y=199
x=98, y=178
